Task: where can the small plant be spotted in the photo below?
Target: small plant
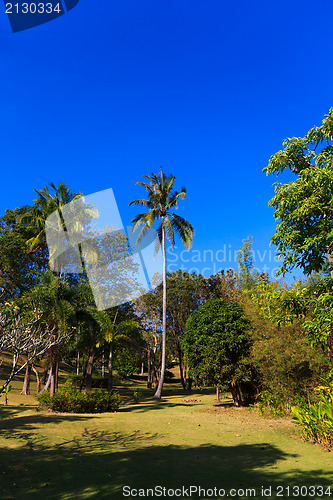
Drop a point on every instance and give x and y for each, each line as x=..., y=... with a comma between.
x=5, y=392
x=138, y=396
x=71, y=400
x=274, y=405
x=316, y=420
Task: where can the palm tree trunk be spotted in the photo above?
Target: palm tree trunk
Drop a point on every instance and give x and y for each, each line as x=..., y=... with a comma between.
x=158, y=392
x=90, y=359
x=149, y=369
x=110, y=368
x=180, y=359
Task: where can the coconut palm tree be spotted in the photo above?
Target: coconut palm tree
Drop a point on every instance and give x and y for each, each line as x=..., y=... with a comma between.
x=45, y=204
x=162, y=199
x=52, y=199
x=111, y=332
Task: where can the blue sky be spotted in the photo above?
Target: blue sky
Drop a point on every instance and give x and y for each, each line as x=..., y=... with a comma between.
x=112, y=90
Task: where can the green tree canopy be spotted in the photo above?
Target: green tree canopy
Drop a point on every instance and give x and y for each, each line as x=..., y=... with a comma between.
x=216, y=342
x=304, y=206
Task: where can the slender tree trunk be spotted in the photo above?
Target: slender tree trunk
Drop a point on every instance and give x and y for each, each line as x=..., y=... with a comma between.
x=83, y=378
x=56, y=375
x=103, y=363
x=44, y=376
x=180, y=359
x=26, y=383
x=78, y=363
x=37, y=377
x=158, y=392
x=217, y=394
x=110, y=368
x=47, y=385
x=53, y=380
x=90, y=359
x=149, y=381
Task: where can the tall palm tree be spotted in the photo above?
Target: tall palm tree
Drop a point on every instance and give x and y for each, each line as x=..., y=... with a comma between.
x=162, y=199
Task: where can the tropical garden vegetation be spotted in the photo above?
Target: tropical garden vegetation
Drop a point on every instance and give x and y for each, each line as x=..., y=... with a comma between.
x=267, y=344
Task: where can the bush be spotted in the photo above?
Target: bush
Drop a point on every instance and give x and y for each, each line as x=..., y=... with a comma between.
x=168, y=376
x=316, y=419
x=272, y=404
x=287, y=366
x=71, y=400
x=137, y=396
x=97, y=382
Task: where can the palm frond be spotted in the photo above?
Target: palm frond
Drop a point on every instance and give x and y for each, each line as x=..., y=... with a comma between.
x=184, y=229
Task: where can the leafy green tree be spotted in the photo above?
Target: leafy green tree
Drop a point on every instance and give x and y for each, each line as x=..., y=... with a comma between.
x=54, y=300
x=303, y=207
x=222, y=285
x=304, y=211
x=246, y=272
x=162, y=199
x=216, y=343
x=18, y=270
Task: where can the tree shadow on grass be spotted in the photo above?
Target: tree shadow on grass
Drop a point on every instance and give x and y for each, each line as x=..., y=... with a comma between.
x=17, y=426
x=158, y=405
x=98, y=464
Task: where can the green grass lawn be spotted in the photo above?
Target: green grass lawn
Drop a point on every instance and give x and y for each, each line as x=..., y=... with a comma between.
x=169, y=444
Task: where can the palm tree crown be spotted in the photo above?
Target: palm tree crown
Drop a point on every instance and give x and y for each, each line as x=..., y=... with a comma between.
x=161, y=200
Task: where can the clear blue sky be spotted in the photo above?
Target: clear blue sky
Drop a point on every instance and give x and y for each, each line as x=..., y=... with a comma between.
x=208, y=89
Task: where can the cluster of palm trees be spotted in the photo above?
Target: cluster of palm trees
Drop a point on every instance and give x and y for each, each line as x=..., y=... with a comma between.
x=55, y=298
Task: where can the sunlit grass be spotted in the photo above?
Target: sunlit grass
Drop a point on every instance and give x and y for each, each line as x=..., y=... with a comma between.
x=171, y=443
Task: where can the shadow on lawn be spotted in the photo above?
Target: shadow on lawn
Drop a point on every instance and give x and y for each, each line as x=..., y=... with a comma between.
x=14, y=426
x=97, y=464
x=151, y=405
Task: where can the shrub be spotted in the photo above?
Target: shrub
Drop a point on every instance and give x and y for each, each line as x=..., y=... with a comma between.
x=71, y=400
x=316, y=420
x=138, y=396
x=272, y=404
x=168, y=376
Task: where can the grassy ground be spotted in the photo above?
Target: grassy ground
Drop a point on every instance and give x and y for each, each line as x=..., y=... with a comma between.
x=173, y=443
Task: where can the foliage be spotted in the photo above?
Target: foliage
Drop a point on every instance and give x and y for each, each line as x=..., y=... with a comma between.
x=5, y=392
x=216, y=343
x=272, y=404
x=168, y=376
x=245, y=265
x=137, y=396
x=303, y=207
x=71, y=400
x=316, y=420
x=18, y=269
